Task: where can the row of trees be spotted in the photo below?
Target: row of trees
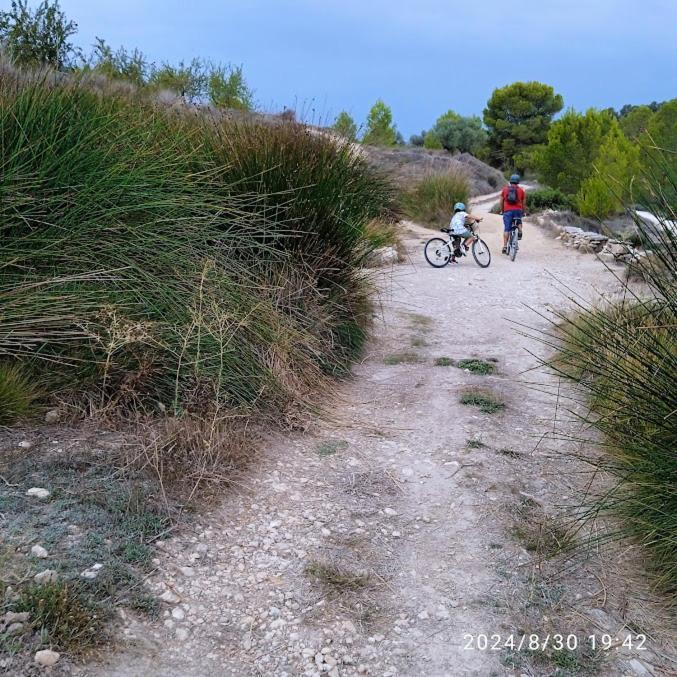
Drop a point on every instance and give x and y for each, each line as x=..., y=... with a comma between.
x=44, y=37
x=596, y=157
x=516, y=118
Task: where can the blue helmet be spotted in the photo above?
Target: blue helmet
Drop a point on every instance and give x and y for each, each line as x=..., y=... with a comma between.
x=515, y=178
x=459, y=207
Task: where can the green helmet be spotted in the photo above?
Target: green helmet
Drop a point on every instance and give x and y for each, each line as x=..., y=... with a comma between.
x=459, y=207
x=515, y=178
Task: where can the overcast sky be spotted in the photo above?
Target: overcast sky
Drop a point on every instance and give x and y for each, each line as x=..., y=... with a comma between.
x=422, y=57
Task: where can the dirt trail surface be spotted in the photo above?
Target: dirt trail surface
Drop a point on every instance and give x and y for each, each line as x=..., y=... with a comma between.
x=375, y=542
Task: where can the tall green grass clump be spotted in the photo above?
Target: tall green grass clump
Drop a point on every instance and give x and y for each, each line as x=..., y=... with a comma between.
x=431, y=201
x=17, y=393
x=623, y=359
x=157, y=256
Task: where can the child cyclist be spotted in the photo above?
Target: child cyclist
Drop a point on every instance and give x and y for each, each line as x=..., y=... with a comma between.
x=459, y=226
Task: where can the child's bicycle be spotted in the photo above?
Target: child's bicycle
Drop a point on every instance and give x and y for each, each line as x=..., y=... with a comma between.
x=513, y=238
x=438, y=251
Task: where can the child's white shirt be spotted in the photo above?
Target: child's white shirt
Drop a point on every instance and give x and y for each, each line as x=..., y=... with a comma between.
x=457, y=224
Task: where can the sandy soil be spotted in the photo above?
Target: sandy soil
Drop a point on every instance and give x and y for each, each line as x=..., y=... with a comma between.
x=380, y=539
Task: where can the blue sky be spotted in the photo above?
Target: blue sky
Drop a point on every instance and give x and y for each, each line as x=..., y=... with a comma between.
x=420, y=56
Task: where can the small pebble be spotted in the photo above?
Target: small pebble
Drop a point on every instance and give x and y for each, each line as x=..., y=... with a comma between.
x=37, y=492
x=46, y=576
x=39, y=552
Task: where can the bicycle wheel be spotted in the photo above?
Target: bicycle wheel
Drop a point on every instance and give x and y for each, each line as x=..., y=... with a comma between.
x=481, y=253
x=437, y=252
x=513, y=244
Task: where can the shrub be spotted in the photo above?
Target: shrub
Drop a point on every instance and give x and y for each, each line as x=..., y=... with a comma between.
x=431, y=201
x=548, y=198
x=616, y=165
x=445, y=362
x=120, y=64
x=417, y=139
x=63, y=615
x=227, y=88
x=458, y=133
x=175, y=257
x=635, y=122
x=431, y=141
x=661, y=133
x=622, y=360
x=38, y=37
x=17, y=393
x=484, y=400
x=477, y=366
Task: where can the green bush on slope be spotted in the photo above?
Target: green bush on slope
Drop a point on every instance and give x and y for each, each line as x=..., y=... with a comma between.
x=623, y=359
x=152, y=255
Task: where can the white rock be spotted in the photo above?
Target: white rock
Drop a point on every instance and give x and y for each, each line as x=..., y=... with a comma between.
x=397, y=534
x=178, y=613
x=382, y=257
x=170, y=597
x=52, y=416
x=47, y=658
x=46, y=576
x=390, y=512
x=187, y=571
x=92, y=572
x=25, y=444
x=14, y=617
x=38, y=492
x=39, y=552
x=325, y=532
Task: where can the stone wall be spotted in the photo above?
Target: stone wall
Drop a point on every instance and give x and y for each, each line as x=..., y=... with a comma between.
x=588, y=241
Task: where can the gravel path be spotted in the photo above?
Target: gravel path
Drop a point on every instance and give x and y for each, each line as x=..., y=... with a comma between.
x=374, y=542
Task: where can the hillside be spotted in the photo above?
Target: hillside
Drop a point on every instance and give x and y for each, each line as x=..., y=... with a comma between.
x=410, y=164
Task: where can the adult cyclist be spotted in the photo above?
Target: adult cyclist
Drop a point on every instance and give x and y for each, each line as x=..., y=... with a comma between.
x=513, y=205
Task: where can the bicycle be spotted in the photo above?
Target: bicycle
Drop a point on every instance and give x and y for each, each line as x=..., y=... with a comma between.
x=513, y=239
x=439, y=252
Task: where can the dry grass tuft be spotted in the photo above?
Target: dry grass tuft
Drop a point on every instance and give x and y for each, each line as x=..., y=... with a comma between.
x=338, y=578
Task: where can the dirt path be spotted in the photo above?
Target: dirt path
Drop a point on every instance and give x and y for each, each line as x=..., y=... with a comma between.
x=375, y=542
